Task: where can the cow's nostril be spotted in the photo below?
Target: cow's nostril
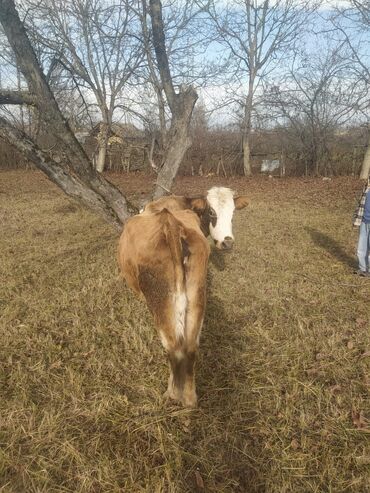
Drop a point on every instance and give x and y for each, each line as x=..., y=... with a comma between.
x=228, y=242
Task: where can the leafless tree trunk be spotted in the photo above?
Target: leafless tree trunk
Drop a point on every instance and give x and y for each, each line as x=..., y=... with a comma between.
x=363, y=8
x=153, y=77
x=102, y=152
x=103, y=139
x=74, y=174
x=247, y=166
x=181, y=104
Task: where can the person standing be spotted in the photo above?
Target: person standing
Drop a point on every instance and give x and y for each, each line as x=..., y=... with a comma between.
x=362, y=220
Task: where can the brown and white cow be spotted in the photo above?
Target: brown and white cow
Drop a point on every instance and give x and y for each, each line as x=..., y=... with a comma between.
x=163, y=254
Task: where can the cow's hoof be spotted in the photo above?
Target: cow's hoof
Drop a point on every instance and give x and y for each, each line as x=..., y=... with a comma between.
x=172, y=395
x=190, y=400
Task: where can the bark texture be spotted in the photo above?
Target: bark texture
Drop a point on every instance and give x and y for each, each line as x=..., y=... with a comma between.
x=103, y=139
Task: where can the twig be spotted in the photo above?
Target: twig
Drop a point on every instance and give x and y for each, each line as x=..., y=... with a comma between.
x=337, y=284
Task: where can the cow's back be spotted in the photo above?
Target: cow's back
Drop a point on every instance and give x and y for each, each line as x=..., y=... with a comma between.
x=152, y=266
x=142, y=253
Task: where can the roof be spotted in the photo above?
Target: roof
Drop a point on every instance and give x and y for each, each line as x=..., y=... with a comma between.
x=122, y=130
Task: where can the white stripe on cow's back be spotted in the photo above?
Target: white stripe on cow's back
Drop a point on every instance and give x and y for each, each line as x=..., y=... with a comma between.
x=180, y=302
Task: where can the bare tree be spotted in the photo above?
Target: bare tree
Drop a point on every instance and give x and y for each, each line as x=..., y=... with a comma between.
x=186, y=41
x=96, y=45
x=72, y=171
x=353, y=24
x=319, y=94
x=256, y=33
x=180, y=102
x=363, y=8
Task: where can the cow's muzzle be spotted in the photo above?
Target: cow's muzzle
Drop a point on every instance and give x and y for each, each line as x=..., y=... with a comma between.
x=226, y=244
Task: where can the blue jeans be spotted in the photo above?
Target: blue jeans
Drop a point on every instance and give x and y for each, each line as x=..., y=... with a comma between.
x=363, y=247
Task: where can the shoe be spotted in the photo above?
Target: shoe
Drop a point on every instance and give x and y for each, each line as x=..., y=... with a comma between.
x=362, y=273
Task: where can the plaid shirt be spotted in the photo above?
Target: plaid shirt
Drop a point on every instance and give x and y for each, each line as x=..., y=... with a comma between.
x=359, y=212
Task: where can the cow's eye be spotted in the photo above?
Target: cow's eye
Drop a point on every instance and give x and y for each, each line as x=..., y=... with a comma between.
x=212, y=213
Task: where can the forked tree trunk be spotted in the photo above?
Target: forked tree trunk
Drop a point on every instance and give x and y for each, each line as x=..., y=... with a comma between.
x=74, y=172
x=75, y=175
x=181, y=105
x=178, y=142
x=162, y=118
x=93, y=192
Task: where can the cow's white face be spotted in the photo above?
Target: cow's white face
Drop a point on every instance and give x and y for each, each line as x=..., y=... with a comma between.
x=216, y=214
x=222, y=204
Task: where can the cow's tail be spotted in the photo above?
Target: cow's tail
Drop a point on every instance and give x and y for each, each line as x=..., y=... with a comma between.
x=174, y=235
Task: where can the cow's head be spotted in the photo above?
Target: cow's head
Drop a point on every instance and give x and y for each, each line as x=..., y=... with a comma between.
x=216, y=214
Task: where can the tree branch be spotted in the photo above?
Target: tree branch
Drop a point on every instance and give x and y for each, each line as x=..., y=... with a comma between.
x=161, y=53
x=17, y=97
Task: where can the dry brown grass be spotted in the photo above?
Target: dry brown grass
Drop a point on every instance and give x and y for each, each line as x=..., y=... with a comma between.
x=282, y=376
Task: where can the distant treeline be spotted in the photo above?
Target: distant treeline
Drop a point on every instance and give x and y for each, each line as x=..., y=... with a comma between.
x=219, y=152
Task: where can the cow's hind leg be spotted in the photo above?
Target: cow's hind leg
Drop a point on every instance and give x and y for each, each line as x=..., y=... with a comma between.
x=175, y=352
x=181, y=386
x=173, y=343
x=196, y=272
x=195, y=314
x=176, y=380
x=161, y=303
x=189, y=395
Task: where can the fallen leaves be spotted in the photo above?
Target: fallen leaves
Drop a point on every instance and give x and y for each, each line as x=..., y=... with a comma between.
x=199, y=480
x=186, y=424
x=294, y=444
x=361, y=322
x=335, y=388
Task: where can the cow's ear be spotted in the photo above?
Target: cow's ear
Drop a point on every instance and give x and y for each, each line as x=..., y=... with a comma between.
x=198, y=204
x=241, y=202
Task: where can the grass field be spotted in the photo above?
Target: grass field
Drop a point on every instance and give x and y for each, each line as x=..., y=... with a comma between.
x=283, y=372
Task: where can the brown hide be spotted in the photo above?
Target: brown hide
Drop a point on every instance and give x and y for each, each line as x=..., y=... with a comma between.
x=163, y=257
x=163, y=254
